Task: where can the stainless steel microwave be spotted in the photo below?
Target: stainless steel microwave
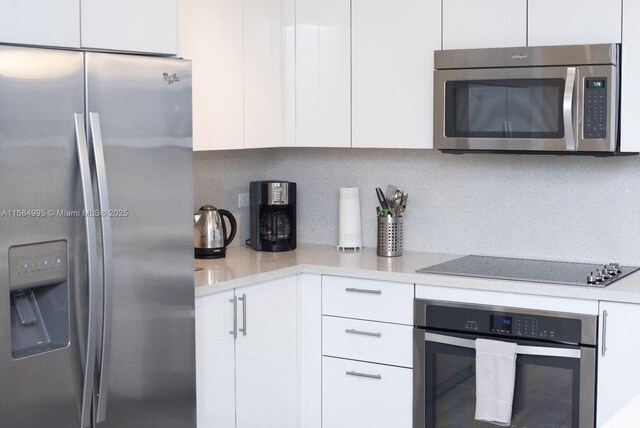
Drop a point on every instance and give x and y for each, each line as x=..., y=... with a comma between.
x=541, y=99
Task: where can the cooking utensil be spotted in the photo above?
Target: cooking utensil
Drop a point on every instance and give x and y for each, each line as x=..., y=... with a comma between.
x=394, y=202
x=402, y=205
x=381, y=198
x=391, y=190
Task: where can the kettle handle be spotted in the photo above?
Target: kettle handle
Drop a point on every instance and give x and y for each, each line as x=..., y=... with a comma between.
x=232, y=222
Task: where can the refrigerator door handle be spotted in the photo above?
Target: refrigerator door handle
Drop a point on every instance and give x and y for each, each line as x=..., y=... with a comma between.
x=92, y=257
x=107, y=266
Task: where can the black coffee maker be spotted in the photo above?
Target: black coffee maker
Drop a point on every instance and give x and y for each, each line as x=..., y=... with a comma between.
x=273, y=215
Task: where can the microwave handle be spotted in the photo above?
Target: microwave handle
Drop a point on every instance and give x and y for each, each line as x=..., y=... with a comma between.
x=567, y=109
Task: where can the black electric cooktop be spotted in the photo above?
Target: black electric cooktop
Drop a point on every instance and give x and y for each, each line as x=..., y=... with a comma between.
x=532, y=270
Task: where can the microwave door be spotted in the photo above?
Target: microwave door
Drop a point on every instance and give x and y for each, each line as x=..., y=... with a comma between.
x=511, y=109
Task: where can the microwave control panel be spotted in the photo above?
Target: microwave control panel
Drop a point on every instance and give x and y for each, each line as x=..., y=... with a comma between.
x=595, y=108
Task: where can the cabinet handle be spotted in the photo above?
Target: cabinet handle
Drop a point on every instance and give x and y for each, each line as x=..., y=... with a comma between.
x=363, y=333
x=604, y=332
x=363, y=290
x=234, y=332
x=244, y=314
x=368, y=376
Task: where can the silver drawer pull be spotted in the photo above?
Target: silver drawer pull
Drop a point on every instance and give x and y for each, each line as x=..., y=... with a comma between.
x=368, y=376
x=363, y=290
x=363, y=333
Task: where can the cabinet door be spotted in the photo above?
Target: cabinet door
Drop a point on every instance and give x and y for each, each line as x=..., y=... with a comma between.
x=211, y=35
x=138, y=26
x=309, y=351
x=263, y=73
x=630, y=108
x=41, y=22
x=574, y=22
x=266, y=355
x=618, y=403
x=323, y=73
x=484, y=23
x=365, y=395
x=215, y=361
x=392, y=77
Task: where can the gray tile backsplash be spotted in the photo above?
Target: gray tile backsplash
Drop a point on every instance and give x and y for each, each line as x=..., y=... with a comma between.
x=539, y=206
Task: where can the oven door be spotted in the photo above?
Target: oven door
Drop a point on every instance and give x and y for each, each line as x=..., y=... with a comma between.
x=555, y=384
x=516, y=109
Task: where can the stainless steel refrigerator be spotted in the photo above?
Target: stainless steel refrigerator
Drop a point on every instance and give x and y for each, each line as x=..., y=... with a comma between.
x=96, y=255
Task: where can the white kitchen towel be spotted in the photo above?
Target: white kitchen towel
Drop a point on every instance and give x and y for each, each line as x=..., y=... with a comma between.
x=495, y=381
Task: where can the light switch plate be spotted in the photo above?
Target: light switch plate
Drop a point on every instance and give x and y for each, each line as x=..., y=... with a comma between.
x=243, y=200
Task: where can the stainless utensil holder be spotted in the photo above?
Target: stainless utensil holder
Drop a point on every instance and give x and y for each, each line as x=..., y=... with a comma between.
x=389, y=236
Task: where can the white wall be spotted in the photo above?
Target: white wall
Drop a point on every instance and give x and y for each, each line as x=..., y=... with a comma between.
x=539, y=206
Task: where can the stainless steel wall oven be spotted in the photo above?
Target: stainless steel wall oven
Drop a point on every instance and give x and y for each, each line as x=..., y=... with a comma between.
x=555, y=364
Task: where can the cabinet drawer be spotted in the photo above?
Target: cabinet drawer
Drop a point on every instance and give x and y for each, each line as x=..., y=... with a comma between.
x=365, y=395
x=367, y=341
x=367, y=299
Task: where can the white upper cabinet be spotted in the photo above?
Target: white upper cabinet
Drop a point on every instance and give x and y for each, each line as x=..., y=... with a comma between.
x=392, y=77
x=263, y=73
x=149, y=26
x=484, y=23
x=41, y=22
x=138, y=26
x=243, y=61
x=630, y=109
x=323, y=73
x=211, y=35
x=574, y=22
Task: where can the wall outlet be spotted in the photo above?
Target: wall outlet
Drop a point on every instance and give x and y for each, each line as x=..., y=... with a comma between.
x=243, y=200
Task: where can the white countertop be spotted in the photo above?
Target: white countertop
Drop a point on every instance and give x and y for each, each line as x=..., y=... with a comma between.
x=243, y=266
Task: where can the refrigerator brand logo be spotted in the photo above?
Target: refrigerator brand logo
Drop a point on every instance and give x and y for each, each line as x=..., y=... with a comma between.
x=519, y=57
x=171, y=78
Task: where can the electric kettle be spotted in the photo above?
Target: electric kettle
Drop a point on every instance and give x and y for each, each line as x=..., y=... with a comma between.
x=210, y=237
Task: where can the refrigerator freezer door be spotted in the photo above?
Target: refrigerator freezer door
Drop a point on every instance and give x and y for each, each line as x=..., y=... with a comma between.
x=144, y=108
x=43, y=278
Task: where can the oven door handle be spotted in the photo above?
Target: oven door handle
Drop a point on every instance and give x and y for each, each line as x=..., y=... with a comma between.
x=542, y=351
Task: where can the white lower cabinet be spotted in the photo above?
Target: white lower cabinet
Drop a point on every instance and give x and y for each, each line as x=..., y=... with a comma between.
x=215, y=361
x=377, y=342
x=618, y=394
x=367, y=358
x=356, y=394
x=266, y=369
x=269, y=376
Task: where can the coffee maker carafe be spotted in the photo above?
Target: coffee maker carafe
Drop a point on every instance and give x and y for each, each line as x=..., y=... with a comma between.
x=273, y=215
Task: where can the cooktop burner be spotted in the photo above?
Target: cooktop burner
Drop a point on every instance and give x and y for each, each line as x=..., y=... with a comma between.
x=532, y=270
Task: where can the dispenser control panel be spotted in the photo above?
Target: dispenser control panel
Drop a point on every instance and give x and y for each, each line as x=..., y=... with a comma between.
x=35, y=265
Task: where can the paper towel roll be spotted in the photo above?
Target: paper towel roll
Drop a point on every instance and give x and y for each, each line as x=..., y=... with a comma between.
x=350, y=224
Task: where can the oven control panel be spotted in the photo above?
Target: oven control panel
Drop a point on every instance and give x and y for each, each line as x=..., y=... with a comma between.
x=525, y=326
x=504, y=323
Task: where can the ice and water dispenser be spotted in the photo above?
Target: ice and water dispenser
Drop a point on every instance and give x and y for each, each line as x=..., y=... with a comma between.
x=39, y=287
